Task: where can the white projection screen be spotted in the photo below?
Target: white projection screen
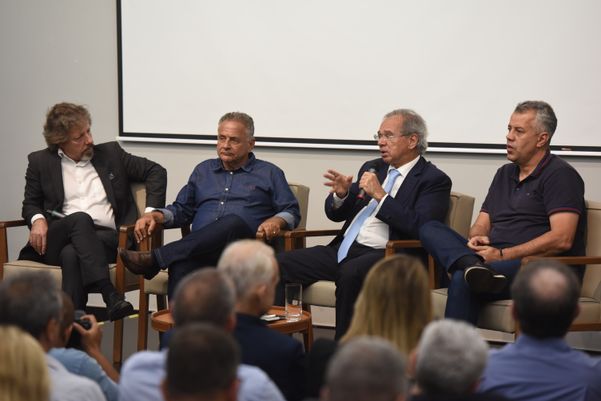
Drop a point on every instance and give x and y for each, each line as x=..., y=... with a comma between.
x=321, y=73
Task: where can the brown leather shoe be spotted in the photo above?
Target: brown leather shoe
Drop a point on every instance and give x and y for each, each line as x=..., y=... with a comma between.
x=139, y=263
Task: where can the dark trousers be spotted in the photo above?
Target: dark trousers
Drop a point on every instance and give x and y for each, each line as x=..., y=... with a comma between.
x=447, y=247
x=200, y=248
x=309, y=265
x=83, y=252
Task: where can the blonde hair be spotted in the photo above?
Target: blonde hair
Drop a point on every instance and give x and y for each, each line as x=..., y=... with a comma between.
x=23, y=371
x=394, y=303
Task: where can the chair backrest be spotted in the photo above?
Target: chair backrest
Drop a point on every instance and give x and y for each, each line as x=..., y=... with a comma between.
x=591, y=284
x=302, y=195
x=138, y=190
x=459, y=217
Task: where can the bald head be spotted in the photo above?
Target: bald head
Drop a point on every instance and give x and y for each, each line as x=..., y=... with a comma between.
x=545, y=295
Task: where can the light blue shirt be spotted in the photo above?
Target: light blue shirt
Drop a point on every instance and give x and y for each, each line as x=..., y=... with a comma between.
x=81, y=364
x=542, y=370
x=66, y=386
x=144, y=371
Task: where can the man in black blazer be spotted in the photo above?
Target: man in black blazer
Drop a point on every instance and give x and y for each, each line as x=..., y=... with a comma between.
x=394, y=196
x=76, y=195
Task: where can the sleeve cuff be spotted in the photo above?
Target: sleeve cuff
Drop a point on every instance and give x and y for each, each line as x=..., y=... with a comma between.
x=37, y=217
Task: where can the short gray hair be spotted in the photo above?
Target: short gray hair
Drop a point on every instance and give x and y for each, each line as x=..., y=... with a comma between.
x=546, y=121
x=451, y=357
x=30, y=300
x=366, y=369
x=243, y=119
x=248, y=263
x=206, y=295
x=413, y=123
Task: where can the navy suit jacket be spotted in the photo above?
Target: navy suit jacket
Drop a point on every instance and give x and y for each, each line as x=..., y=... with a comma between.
x=423, y=196
x=280, y=356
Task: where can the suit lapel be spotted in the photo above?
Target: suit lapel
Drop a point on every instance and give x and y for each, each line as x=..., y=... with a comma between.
x=106, y=176
x=56, y=175
x=412, y=179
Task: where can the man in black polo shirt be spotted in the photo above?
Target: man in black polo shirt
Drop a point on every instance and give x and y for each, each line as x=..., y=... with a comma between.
x=534, y=206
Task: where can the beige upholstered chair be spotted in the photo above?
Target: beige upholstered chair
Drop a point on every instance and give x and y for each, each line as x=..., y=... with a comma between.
x=120, y=277
x=158, y=285
x=497, y=315
x=322, y=293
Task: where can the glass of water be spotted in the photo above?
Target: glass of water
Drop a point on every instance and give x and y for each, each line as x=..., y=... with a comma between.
x=294, y=301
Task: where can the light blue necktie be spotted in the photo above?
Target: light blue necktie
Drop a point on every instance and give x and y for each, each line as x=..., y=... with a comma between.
x=353, y=230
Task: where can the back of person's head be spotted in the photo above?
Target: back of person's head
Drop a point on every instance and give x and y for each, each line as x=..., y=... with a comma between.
x=546, y=121
x=61, y=119
x=202, y=363
x=206, y=295
x=366, y=369
x=394, y=303
x=30, y=300
x=451, y=357
x=249, y=263
x=23, y=369
x=545, y=298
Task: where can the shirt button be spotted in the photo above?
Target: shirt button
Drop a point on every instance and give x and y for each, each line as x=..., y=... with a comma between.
x=231, y=172
x=221, y=203
x=227, y=189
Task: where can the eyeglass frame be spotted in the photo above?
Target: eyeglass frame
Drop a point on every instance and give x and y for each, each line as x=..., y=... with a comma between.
x=390, y=136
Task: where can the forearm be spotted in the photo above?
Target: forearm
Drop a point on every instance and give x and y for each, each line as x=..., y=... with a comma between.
x=548, y=244
x=104, y=363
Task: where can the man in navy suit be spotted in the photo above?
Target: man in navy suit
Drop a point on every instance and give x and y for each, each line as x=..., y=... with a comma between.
x=393, y=197
x=89, y=185
x=252, y=267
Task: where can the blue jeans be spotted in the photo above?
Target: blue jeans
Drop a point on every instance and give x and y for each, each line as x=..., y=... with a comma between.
x=447, y=247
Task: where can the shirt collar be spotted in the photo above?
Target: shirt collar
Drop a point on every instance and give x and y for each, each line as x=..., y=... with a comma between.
x=216, y=164
x=533, y=342
x=405, y=168
x=64, y=156
x=537, y=170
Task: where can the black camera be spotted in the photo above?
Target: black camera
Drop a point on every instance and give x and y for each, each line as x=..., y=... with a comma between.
x=75, y=340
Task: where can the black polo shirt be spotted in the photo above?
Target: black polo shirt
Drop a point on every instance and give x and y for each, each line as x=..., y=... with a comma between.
x=519, y=211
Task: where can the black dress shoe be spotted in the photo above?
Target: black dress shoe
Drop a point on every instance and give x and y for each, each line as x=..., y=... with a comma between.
x=139, y=263
x=483, y=279
x=118, y=307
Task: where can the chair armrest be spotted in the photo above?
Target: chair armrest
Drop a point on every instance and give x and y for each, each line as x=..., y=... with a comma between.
x=4, y=240
x=393, y=245
x=296, y=239
x=568, y=260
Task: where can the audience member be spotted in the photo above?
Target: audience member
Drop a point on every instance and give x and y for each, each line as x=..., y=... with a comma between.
x=201, y=365
x=23, y=371
x=540, y=365
x=534, y=206
x=448, y=362
x=393, y=197
x=393, y=304
x=253, y=269
x=32, y=301
x=366, y=369
x=76, y=195
x=204, y=296
x=91, y=363
x=232, y=197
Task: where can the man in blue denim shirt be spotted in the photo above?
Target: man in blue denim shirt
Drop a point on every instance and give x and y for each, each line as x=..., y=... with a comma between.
x=233, y=197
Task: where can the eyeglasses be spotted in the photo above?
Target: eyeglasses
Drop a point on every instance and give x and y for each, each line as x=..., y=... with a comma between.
x=388, y=137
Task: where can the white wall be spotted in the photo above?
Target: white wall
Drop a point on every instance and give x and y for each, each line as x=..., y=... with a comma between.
x=67, y=50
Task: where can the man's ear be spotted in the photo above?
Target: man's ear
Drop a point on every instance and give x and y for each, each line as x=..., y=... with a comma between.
x=51, y=336
x=232, y=391
x=543, y=139
x=230, y=324
x=412, y=363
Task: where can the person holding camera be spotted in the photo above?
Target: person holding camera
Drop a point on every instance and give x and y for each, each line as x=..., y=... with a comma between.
x=80, y=337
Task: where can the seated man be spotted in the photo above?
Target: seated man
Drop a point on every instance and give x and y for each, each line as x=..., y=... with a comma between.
x=534, y=206
x=201, y=365
x=366, y=369
x=394, y=196
x=76, y=195
x=32, y=302
x=448, y=362
x=253, y=269
x=204, y=296
x=540, y=365
x=233, y=197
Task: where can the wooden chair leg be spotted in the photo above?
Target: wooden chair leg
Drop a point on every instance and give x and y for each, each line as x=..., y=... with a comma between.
x=118, y=343
x=143, y=322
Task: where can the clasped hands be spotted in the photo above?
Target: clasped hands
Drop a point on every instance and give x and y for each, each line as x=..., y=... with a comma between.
x=481, y=245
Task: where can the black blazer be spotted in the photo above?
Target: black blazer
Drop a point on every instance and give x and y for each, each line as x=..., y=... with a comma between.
x=423, y=196
x=117, y=170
